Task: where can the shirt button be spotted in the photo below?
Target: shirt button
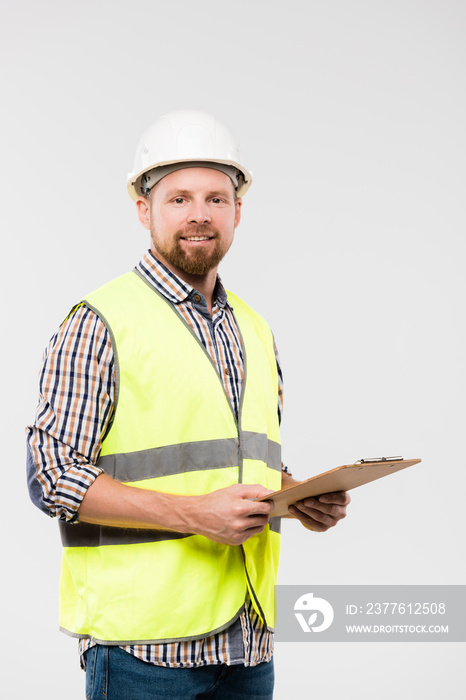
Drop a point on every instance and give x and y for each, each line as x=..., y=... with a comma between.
x=197, y=297
x=227, y=371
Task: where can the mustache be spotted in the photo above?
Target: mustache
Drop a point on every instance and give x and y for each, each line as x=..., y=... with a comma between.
x=197, y=230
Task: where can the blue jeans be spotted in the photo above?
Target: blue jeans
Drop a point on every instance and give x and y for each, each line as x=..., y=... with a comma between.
x=113, y=674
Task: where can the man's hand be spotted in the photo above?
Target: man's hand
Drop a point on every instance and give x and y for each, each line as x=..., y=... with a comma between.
x=230, y=515
x=322, y=512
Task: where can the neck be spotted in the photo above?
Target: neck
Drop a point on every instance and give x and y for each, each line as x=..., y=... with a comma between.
x=205, y=284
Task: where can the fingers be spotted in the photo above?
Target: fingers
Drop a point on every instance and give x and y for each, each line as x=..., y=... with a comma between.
x=322, y=513
x=241, y=530
x=232, y=515
x=257, y=507
x=253, y=524
x=246, y=508
x=251, y=491
x=306, y=520
x=240, y=537
x=251, y=516
x=247, y=503
x=341, y=498
x=313, y=519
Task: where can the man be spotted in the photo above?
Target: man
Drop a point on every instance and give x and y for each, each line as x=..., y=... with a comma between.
x=156, y=430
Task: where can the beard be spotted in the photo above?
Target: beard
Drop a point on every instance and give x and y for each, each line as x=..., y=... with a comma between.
x=196, y=261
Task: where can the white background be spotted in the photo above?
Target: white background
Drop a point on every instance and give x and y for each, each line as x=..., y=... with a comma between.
x=351, y=115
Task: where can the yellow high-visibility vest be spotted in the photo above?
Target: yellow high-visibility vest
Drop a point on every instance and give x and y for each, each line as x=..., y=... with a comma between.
x=174, y=431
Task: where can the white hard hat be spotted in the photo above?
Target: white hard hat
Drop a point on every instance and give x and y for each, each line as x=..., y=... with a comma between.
x=187, y=136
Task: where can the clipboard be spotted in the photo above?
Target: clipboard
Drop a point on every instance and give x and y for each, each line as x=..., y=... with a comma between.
x=344, y=478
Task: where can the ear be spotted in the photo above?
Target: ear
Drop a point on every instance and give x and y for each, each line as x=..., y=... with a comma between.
x=143, y=207
x=238, y=205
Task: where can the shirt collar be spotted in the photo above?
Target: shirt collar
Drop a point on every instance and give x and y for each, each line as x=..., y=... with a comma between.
x=170, y=285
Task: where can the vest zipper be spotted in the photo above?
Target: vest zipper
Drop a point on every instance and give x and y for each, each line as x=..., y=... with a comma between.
x=238, y=419
x=240, y=465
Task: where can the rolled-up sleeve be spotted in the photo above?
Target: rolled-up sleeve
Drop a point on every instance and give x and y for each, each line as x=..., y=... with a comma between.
x=75, y=408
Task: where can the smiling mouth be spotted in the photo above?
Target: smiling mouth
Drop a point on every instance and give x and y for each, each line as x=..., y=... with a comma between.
x=196, y=238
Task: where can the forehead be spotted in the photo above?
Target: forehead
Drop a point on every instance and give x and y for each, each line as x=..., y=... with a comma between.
x=195, y=180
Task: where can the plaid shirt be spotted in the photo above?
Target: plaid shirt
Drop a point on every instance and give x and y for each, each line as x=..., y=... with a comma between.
x=77, y=387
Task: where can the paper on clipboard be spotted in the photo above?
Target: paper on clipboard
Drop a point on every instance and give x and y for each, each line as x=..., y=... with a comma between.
x=343, y=478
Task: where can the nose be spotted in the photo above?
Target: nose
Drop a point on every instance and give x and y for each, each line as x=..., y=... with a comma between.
x=199, y=213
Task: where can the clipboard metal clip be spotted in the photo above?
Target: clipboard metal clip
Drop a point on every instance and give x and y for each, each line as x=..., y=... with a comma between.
x=379, y=459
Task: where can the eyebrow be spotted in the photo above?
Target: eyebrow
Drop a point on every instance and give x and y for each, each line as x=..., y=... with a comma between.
x=186, y=193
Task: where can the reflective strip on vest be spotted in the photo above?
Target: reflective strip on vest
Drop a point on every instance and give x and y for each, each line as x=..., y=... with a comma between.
x=190, y=456
x=174, y=431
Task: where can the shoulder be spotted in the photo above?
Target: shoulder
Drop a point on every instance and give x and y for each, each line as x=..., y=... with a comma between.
x=81, y=320
x=81, y=339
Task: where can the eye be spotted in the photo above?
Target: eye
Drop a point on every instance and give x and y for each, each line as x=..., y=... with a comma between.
x=178, y=200
x=217, y=200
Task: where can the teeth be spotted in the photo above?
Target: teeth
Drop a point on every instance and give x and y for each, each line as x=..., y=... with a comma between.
x=197, y=238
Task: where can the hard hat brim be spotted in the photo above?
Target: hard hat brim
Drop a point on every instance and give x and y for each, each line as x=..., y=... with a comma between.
x=134, y=180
